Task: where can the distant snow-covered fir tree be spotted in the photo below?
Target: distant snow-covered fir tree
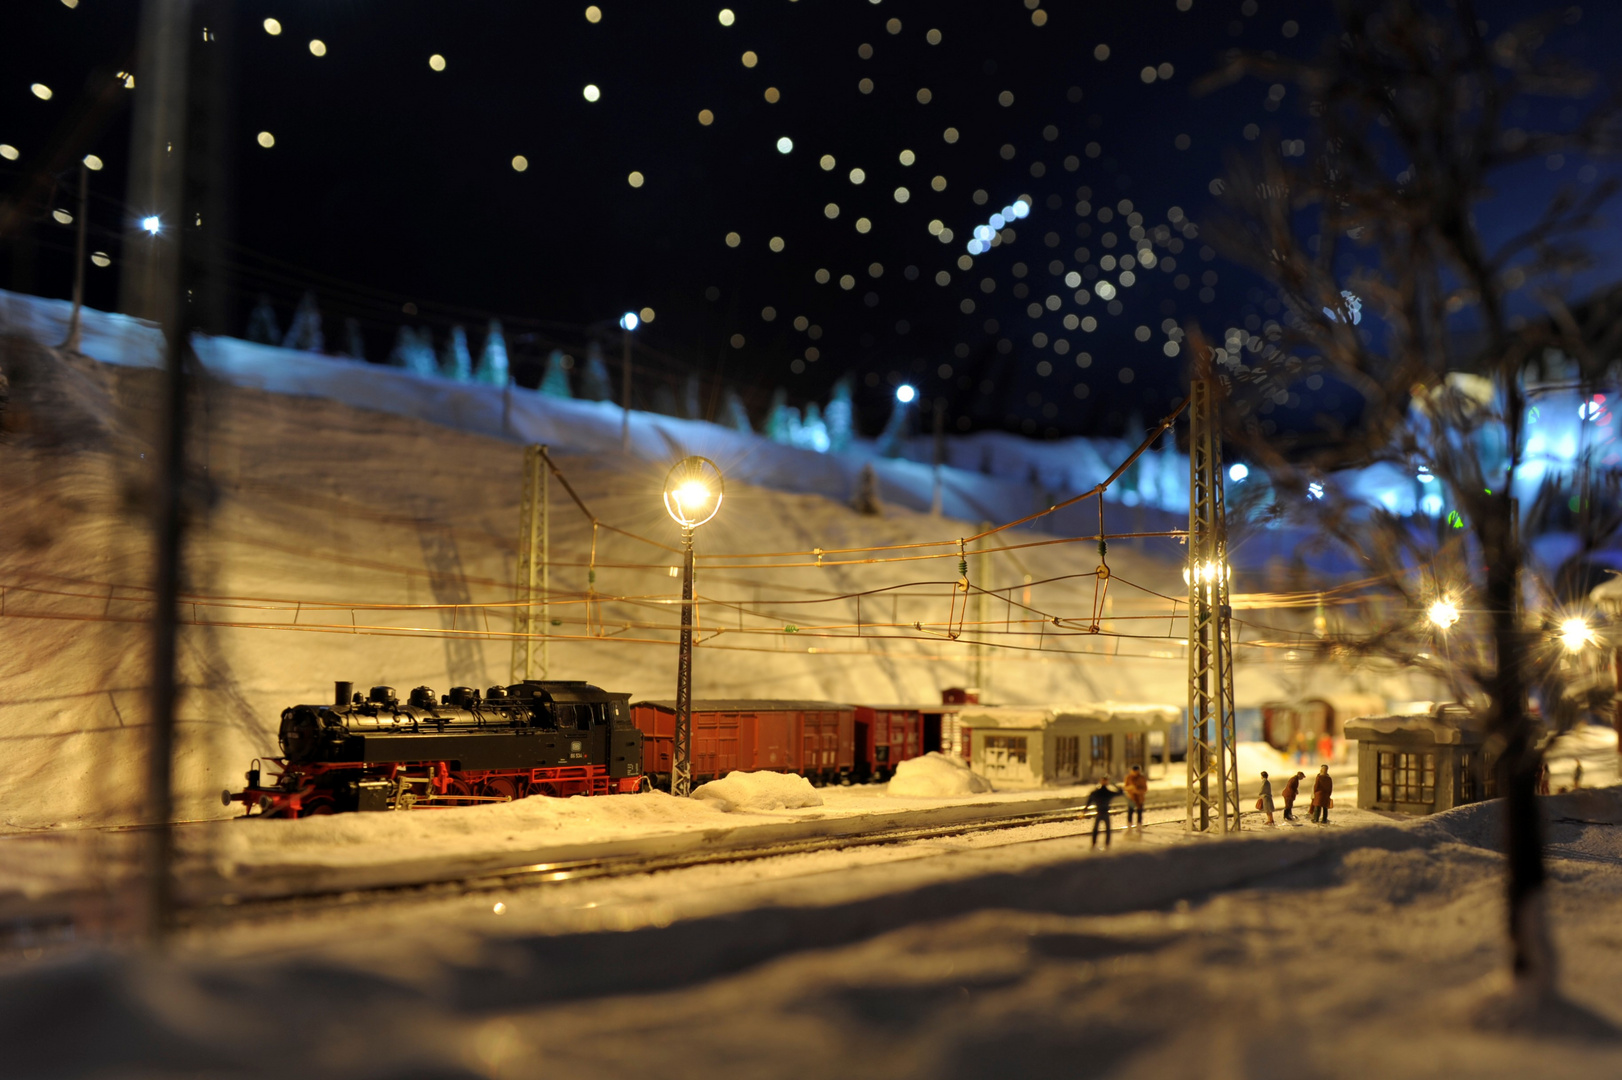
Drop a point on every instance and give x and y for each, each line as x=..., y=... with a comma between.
x=492, y=367
x=555, y=383
x=813, y=434
x=692, y=396
x=414, y=351
x=866, y=499
x=262, y=326
x=457, y=362
x=782, y=419
x=305, y=333
x=735, y=414
x=354, y=340
x=595, y=384
x=840, y=416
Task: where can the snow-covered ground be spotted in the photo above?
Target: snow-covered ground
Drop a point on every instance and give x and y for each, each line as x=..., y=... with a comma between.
x=1365, y=948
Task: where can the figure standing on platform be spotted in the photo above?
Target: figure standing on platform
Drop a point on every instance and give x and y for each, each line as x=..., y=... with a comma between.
x=1100, y=799
x=1136, y=786
x=1322, y=788
x=1264, y=801
x=1292, y=789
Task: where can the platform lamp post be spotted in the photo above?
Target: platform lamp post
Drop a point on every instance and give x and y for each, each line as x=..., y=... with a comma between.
x=693, y=492
x=628, y=322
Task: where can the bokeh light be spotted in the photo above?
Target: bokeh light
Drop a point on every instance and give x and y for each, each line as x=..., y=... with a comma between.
x=272, y=27
x=436, y=62
x=520, y=162
x=318, y=47
x=266, y=139
x=591, y=93
x=636, y=179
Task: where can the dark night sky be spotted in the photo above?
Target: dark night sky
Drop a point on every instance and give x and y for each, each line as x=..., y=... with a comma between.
x=390, y=183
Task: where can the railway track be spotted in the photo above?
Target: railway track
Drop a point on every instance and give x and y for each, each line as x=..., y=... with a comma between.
x=104, y=913
x=533, y=874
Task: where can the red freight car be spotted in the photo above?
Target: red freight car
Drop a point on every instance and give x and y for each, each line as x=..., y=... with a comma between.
x=814, y=738
x=887, y=735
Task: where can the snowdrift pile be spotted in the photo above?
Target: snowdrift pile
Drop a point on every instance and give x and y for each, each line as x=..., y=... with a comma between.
x=935, y=776
x=759, y=791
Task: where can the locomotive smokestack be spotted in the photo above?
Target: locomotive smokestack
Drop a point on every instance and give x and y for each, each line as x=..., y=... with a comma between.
x=342, y=692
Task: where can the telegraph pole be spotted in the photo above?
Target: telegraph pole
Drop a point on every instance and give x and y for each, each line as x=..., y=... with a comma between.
x=1211, y=734
x=625, y=387
x=534, y=567
x=71, y=342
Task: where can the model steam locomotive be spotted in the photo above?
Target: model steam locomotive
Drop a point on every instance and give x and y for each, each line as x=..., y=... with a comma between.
x=539, y=737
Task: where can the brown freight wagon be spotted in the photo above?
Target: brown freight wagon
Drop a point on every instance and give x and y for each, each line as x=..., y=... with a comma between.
x=887, y=735
x=814, y=738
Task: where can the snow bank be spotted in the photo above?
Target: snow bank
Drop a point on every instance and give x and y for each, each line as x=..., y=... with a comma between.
x=759, y=791
x=1258, y=757
x=934, y=776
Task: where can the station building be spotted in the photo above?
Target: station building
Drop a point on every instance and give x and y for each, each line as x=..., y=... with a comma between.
x=1422, y=763
x=1032, y=746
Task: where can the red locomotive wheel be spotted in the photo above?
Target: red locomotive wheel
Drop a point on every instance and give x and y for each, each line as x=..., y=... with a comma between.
x=458, y=787
x=505, y=787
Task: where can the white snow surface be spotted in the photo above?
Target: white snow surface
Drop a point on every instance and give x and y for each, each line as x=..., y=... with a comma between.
x=758, y=791
x=934, y=776
x=1366, y=948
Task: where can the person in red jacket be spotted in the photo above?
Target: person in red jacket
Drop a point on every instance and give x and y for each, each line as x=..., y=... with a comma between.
x=1292, y=789
x=1136, y=786
x=1322, y=788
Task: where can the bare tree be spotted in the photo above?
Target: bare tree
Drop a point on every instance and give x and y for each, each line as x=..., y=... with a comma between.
x=1392, y=291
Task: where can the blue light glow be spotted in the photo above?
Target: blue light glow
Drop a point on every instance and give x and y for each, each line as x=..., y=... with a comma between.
x=1315, y=490
x=905, y=393
x=985, y=234
x=152, y=224
x=629, y=321
x=1238, y=471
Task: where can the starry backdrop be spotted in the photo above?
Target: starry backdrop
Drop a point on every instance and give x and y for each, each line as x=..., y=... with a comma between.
x=996, y=201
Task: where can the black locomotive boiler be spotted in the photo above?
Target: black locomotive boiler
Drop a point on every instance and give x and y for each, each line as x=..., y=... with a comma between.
x=539, y=737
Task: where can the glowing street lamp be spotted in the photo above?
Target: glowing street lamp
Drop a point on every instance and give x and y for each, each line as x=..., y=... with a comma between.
x=693, y=492
x=1443, y=613
x=906, y=393
x=152, y=225
x=1576, y=634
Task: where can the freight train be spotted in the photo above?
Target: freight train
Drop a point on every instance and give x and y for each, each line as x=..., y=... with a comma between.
x=539, y=737
x=565, y=738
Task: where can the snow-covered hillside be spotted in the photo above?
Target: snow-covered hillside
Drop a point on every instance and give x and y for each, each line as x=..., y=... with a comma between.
x=331, y=540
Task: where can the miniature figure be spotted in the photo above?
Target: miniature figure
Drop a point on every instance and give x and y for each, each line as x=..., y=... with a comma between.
x=1292, y=788
x=1322, y=788
x=1101, y=797
x=1136, y=786
x=1264, y=801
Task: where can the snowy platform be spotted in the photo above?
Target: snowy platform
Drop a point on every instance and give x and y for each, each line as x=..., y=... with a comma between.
x=240, y=859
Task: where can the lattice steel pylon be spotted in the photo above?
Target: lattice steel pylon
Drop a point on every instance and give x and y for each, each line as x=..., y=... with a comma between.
x=1211, y=734
x=534, y=578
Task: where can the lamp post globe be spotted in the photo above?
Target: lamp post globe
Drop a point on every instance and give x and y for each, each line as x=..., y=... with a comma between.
x=693, y=492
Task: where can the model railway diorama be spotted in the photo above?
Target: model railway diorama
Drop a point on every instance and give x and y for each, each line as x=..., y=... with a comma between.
x=551, y=737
